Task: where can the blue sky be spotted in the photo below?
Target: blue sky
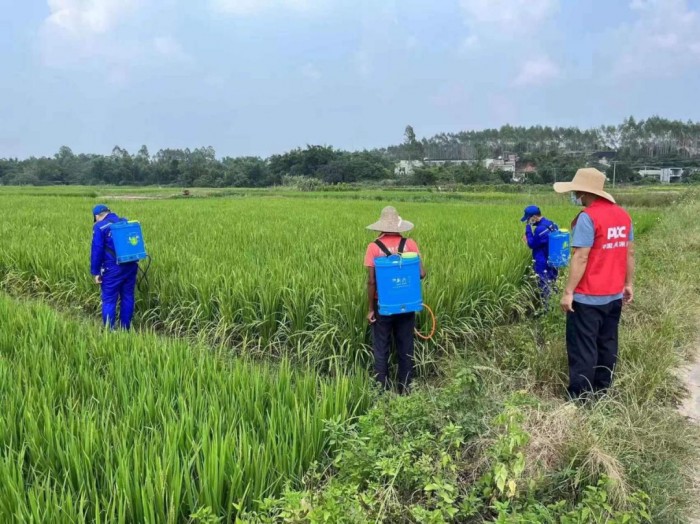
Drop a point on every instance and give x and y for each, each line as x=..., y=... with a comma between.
x=257, y=77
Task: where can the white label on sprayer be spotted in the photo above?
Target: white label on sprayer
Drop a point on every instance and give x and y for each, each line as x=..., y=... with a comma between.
x=399, y=282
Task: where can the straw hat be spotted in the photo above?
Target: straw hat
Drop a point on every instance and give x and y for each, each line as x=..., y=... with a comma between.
x=390, y=222
x=586, y=180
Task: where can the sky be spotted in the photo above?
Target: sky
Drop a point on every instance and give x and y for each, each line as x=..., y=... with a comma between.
x=259, y=77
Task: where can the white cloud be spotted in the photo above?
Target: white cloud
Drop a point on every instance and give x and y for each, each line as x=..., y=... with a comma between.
x=81, y=17
x=311, y=72
x=663, y=39
x=537, y=72
x=507, y=18
x=100, y=33
x=78, y=30
x=254, y=7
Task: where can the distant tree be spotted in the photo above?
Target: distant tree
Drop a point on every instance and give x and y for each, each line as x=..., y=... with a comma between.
x=168, y=165
x=505, y=177
x=143, y=174
x=246, y=172
x=414, y=147
x=624, y=174
x=424, y=176
x=302, y=162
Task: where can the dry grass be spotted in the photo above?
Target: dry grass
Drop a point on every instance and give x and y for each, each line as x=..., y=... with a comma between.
x=551, y=433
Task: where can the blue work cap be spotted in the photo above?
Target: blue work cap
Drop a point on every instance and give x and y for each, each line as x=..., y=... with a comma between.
x=99, y=208
x=530, y=211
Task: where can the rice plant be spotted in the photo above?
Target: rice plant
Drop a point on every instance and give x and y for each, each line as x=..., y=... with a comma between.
x=116, y=427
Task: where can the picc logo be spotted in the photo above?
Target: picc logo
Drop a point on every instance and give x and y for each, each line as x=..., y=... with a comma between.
x=617, y=232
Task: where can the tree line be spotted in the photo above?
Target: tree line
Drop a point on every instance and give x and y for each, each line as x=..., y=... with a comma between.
x=652, y=139
x=555, y=154
x=195, y=168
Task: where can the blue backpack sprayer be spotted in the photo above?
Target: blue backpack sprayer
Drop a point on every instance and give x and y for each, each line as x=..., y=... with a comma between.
x=399, y=284
x=130, y=247
x=559, y=252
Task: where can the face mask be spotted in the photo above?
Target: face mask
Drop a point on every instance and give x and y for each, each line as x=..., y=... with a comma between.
x=576, y=200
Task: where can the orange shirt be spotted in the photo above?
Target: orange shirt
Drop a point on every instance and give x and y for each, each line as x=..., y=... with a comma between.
x=391, y=241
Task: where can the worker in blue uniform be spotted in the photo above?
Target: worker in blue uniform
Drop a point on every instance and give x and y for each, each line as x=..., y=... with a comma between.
x=117, y=281
x=537, y=230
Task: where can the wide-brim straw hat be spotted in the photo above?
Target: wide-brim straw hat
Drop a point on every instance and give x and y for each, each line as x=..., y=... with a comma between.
x=586, y=180
x=390, y=222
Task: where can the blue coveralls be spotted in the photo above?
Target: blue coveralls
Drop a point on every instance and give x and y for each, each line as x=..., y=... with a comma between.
x=118, y=280
x=538, y=241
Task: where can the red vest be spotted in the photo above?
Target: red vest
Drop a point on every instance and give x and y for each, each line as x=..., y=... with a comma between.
x=607, y=263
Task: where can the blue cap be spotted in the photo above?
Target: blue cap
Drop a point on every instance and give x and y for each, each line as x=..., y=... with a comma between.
x=99, y=208
x=530, y=211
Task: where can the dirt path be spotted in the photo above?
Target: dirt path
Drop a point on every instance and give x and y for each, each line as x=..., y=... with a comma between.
x=133, y=197
x=691, y=409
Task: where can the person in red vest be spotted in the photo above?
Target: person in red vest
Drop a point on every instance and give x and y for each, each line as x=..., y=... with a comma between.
x=600, y=281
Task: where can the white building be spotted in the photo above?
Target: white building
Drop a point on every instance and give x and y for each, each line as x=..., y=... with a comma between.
x=407, y=167
x=499, y=164
x=665, y=175
x=671, y=174
x=650, y=172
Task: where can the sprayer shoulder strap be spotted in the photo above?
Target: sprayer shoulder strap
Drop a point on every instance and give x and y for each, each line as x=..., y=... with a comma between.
x=402, y=245
x=107, y=226
x=385, y=250
x=383, y=247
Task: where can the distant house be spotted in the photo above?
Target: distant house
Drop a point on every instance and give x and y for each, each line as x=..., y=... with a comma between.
x=671, y=174
x=523, y=172
x=650, y=172
x=665, y=175
x=501, y=164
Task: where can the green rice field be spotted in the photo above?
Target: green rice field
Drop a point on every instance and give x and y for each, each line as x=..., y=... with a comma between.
x=250, y=339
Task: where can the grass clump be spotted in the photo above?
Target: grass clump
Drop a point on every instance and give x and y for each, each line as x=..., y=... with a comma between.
x=441, y=455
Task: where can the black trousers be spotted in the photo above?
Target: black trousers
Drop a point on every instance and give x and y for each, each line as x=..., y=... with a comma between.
x=591, y=345
x=400, y=328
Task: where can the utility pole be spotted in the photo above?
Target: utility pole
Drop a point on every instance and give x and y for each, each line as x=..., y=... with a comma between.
x=614, y=169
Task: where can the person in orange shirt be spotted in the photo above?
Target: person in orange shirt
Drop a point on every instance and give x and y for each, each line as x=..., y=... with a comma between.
x=390, y=227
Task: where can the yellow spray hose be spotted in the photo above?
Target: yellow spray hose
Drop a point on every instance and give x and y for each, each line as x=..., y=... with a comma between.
x=432, y=316
x=432, y=329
